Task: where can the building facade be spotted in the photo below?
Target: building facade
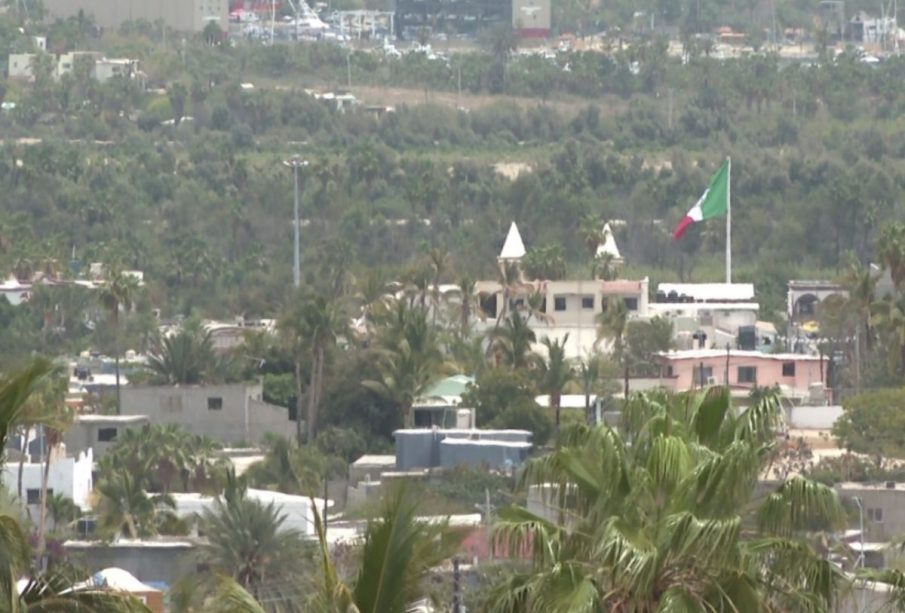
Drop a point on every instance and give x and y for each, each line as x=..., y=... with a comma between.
x=179, y=15
x=796, y=375
x=232, y=413
x=70, y=476
x=100, y=432
x=883, y=507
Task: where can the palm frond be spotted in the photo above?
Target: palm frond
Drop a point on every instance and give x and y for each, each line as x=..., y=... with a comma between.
x=800, y=505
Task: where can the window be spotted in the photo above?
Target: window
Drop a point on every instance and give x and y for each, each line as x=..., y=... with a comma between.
x=488, y=305
x=788, y=369
x=747, y=374
x=587, y=302
x=875, y=515
x=559, y=303
x=631, y=304
x=516, y=304
x=106, y=435
x=668, y=371
x=33, y=496
x=214, y=403
x=701, y=378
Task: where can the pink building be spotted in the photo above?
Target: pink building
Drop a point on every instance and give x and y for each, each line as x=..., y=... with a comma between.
x=793, y=373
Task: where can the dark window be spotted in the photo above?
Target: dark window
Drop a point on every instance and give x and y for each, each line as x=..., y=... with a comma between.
x=631, y=303
x=872, y=514
x=788, y=369
x=669, y=371
x=747, y=374
x=559, y=303
x=516, y=304
x=488, y=305
x=587, y=302
x=106, y=435
x=214, y=403
x=543, y=306
x=702, y=379
x=33, y=496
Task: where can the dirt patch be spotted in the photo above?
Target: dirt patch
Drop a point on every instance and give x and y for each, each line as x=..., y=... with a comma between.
x=397, y=96
x=512, y=170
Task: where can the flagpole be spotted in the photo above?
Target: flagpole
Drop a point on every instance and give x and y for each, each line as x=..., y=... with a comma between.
x=729, y=220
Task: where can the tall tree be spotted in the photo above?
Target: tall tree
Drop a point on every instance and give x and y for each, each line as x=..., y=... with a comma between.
x=555, y=373
x=511, y=343
x=118, y=293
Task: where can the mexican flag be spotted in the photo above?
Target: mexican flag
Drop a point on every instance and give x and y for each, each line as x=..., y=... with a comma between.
x=712, y=203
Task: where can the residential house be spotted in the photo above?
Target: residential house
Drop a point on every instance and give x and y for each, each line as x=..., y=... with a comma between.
x=796, y=375
x=69, y=475
x=440, y=405
x=19, y=66
x=229, y=413
x=568, y=307
x=100, y=432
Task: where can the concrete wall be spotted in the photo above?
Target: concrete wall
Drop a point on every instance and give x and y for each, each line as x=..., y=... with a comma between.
x=889, y=502
x=297, y=509
x=19, y=67
x=493, y=454
x=70, y=476
x=814, y=418
x=181, y=15
x=83, y=435
x=241, y=417
x=149, y=562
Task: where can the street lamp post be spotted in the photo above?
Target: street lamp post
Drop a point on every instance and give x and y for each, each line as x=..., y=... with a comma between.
x=295, y=163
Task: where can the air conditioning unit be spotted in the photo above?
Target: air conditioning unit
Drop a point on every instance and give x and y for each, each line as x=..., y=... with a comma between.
x=711, y=380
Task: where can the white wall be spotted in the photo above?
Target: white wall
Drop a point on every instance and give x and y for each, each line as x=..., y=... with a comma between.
x=814, y=418
x=70, y=476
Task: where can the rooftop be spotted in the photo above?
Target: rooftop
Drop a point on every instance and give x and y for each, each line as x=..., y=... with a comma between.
x=711, y=292
x=450, y=386
x=703, y=354
x=91, y=418
x=853, y=486
x=513, y=247
x=375, y=460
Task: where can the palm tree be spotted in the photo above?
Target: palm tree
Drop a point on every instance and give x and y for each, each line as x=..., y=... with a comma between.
x=512, y=342
x=650, y=517
x=889, y=318
x=861, y=285
x=891, y=251
x=118, y=293
x=14, y=392
x=287, y=468
x=314, y=324
x=185, y=358
x=611, y=325
x=63, y=511
x=466, y=309
x=555, y=373
x=510, y=279
x=246, y=539
x=57, y=592
x=125, y=507
x=404, y=376
x=398, y=553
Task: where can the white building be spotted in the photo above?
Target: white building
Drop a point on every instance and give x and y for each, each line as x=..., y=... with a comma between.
x=19, y=66
x=70, y=476
x=717, y=310
x=568, y=307
x=297, y=509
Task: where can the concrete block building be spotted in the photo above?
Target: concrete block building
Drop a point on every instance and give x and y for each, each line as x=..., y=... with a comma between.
x=179, y=15
x=229, y=413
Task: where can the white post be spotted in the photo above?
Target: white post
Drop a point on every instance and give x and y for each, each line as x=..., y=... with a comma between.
x=729, y=221
x=273, y=18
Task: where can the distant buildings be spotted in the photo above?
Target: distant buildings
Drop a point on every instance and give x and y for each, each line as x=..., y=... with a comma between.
x=451, y=17
x=101, y=69
x=179, y=15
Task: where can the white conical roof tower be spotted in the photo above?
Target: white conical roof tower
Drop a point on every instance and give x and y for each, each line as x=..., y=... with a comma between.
x=608, y=244
x=513, y=249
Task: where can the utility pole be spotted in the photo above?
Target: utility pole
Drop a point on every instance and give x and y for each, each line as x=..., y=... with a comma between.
x=295, y=163
x=457, y=587
x=349, y=69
